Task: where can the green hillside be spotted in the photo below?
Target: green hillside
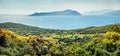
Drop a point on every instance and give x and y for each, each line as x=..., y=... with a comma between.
x=26, y=30
x=92, y=30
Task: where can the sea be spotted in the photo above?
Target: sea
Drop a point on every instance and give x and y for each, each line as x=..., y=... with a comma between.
x=61, y=22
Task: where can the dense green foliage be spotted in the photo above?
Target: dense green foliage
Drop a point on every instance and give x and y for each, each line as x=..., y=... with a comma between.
x=54, y=44
x=27, y=30
x=101, y=29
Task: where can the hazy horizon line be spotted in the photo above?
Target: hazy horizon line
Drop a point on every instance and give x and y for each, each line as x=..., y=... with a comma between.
x=58, y=10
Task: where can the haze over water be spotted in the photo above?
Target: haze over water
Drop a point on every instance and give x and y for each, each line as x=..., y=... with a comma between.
x=61, y=22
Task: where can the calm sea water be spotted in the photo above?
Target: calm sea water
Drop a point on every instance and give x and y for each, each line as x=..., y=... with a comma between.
x=61, y=22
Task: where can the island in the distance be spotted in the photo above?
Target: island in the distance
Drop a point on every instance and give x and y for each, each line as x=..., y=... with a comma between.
x=114, y=13
x=64, y=12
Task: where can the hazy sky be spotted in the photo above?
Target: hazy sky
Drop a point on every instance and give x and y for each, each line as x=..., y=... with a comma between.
x=31, y=6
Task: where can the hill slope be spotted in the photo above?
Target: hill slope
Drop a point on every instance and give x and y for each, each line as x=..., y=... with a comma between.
x=30, y=30
x=27, y=30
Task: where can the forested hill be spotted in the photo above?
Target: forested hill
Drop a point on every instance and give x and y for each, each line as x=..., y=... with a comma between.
x=27, y=30
x=30, y=30
x=100, y=29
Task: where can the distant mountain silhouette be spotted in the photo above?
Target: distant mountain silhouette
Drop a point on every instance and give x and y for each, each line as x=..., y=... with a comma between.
x=99, y=12
x=104, y=12
x=113, y=13
x=65, y=12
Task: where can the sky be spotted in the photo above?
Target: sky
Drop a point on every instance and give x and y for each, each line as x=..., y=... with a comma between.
x=31, y=6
